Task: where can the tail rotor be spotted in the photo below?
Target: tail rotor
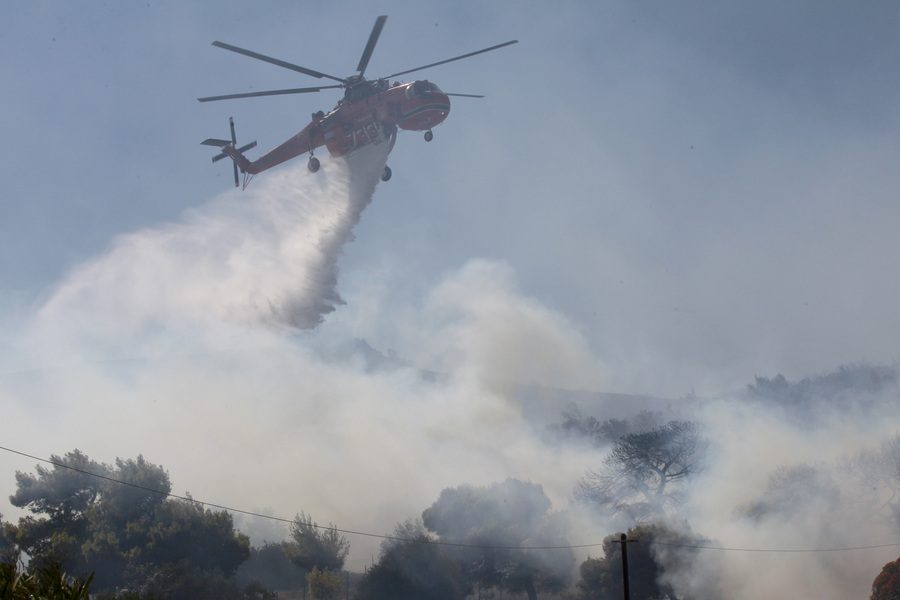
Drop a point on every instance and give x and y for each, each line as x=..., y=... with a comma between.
x=233, y=143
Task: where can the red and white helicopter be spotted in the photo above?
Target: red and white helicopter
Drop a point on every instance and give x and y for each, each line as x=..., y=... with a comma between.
x=370, y=112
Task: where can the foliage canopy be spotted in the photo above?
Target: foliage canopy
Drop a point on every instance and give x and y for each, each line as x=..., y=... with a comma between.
x=643, y=476
x=118, y=523
x=494, y=526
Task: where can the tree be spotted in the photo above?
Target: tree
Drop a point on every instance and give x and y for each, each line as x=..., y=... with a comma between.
x=608, y=431
x=797, y=490
x=8, y=550
x=63, y=494
x=315, y=546
x=270, y=567
x=48, y=582
x=656, y=555
x=851, y=388
x=887, y=585
x=875, y=473
x=496, y=524
x=324, y=584
x=119, y=523
x=642, y=476
x=182, y=530
x=413, y=567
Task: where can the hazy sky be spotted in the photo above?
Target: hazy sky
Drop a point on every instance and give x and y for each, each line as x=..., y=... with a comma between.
x=706, y=189
x=653, y=197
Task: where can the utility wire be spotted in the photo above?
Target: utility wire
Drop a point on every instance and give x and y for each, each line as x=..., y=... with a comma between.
x=775, y=550
x=281, y=519
x=427, y=541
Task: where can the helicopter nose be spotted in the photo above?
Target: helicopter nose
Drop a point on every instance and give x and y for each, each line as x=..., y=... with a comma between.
x=443, y=108
x=426, y=113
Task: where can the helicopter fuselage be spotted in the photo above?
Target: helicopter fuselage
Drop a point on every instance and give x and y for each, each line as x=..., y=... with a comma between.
x=371, y=112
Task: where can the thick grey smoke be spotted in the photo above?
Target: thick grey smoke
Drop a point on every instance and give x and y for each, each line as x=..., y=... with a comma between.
x=181, y=343
x=782, y=500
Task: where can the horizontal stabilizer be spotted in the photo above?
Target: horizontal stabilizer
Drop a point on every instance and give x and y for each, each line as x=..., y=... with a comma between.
x=215, y=142
x=230, y=150
x=242, y=149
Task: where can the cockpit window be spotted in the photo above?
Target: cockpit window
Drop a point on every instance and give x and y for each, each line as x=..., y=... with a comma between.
x=424, y=89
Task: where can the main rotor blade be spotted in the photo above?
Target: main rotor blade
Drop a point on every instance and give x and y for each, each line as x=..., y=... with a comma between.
x=276, y=61
x=464, y=95
x=370, y=45
x=443, y=62
x=268, y=93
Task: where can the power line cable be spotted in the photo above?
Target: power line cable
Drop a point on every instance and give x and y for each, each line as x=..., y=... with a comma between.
x=428, y=541
x=282, y=519
x=776, y=550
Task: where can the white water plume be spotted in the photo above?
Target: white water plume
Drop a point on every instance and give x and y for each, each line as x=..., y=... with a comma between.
x=267, y=255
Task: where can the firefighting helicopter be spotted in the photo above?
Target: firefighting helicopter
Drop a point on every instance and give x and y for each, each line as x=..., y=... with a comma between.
x=371, y=112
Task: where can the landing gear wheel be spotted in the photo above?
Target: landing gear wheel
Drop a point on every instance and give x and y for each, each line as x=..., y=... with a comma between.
x=386, y=173
x=429, y=136
x=313, y=164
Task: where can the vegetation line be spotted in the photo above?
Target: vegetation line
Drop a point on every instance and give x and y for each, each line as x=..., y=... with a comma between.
x=427, y=541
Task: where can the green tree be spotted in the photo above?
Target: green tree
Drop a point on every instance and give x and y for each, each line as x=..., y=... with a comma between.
x=643, y=476
x=324, y=584
x=15, y=584
x=176, y=581
x=124, y=528
x=315, y=546
x=8, y=550
x=61, y=496
x=496, y=524
x=182, y=530
x=413, y=567
x=47, y=582
x=887, y=585
x=656, y=556
x=270, y=567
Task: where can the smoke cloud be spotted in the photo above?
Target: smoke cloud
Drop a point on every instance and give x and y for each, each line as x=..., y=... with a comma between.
x=777, y=501
x=219, y=348
x=204, y=346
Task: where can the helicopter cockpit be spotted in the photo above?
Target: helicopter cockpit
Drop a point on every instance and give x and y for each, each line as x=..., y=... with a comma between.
x=422, y=90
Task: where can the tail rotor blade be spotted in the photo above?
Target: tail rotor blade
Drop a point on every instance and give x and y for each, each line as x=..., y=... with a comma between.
x=224, y=144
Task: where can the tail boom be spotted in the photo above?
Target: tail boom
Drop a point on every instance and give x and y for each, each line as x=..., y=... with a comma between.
x=302, y=143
